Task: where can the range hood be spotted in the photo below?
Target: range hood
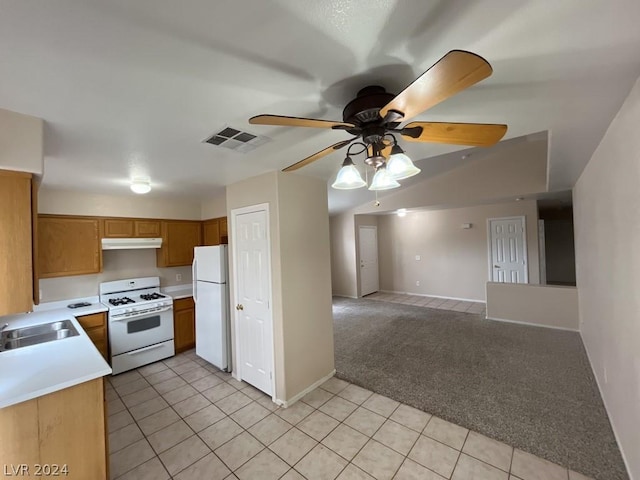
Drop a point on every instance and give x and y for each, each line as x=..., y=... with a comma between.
x=130, y=243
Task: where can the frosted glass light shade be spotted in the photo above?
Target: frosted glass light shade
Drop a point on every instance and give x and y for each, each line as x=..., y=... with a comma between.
x=382, y=180
x=140, y=187
x=348, y=177
x=399, y=165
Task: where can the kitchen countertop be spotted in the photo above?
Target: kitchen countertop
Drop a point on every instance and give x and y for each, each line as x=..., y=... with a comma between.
x=30, y=372
x=178, y=291
x=95, y=307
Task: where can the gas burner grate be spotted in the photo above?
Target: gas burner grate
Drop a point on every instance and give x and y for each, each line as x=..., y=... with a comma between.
x=116, y=302
x=152, y=296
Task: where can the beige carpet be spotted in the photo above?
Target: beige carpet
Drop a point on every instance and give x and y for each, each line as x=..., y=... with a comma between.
x=527, y=386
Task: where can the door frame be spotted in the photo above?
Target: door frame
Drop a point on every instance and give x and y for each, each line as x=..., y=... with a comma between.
x=525, y=256
x=237, y=370
x=359, y=259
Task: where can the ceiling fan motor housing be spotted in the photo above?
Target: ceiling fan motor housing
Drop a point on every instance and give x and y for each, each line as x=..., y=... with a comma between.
x=365, y=108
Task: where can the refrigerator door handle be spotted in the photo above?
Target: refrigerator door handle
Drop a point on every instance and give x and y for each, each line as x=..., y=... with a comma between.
x=194, y=280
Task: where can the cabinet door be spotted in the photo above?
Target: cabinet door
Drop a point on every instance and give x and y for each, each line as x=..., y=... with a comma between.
x=16, y=267
x=178, y=241
x=68, y=246
x=184, y=329
x=224, y=235
x=211, y=231
x=147, y=228
x=118, y=228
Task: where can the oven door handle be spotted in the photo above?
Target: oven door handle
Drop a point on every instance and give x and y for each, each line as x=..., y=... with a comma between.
x=144, y=314
x=146, y=349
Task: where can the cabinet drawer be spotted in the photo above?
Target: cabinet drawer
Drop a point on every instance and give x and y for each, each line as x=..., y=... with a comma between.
x=183, y=303
x=93, y=320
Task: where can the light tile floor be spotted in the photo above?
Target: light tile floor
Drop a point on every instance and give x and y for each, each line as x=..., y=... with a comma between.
x=184, y=419
x=430, y=302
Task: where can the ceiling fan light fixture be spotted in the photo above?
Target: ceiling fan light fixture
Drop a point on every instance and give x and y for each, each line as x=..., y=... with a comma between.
x=400, y=165
x=348, y=177
x=382, y=180
x=140, y=186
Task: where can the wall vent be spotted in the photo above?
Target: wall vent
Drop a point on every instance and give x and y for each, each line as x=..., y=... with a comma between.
x=236, y=139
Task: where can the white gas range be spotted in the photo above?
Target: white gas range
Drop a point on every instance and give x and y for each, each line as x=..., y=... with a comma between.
x=140, y=322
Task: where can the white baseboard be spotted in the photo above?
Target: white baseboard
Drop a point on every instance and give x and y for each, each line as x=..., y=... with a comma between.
x=432, y=296
x=295, y=398
x=606, y=408
x=530, y=324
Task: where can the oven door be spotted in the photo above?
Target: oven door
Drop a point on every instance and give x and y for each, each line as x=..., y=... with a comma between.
x=130, y=333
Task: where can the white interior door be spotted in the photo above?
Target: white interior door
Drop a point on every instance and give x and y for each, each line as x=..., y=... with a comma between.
x=254, y=323
x=508, y=250
x=369, y=280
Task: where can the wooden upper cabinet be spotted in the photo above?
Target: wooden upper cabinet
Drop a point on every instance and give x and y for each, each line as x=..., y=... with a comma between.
x=178, y=240
x=146, y=228
x=215, y=231
x=211, y=232
x=224, y=234
x=130, y=228
x=68, y=246
x=117, y=228
x=16, y=264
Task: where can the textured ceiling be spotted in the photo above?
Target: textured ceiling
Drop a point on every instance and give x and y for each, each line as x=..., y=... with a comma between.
x=131, y=87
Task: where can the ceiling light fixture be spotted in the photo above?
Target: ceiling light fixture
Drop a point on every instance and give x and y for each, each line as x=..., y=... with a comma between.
x=402, y=212
x=400, y=165
x=387, y=172
x=140, y=186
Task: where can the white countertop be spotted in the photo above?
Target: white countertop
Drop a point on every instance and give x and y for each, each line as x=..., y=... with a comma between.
x=178, y=291
x=95, y=307
x=37, y=370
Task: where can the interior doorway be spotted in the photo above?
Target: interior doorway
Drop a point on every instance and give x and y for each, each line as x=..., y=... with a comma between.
x=253, y=318
x=508, y=250
x=368, y=243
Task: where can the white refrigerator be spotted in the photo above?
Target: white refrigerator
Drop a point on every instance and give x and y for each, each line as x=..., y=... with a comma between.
x=211, y=296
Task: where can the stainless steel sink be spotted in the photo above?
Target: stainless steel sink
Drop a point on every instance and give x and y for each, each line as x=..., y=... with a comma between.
x=27, y=336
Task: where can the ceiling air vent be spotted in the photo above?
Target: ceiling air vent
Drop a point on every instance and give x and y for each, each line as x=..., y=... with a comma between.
x=237, y=140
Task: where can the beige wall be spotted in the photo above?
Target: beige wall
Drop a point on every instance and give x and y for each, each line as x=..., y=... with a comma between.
x=453, y=261
x=534, y=304
x=606, y=203
x=306, y=281
x=344, y=281
x=300, y=284
x=66, y=202
x=513, y=171
x=214, y=207
x=117, y=264
x=21, y=142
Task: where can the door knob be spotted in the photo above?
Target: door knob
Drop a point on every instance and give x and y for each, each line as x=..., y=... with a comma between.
x=239, y=307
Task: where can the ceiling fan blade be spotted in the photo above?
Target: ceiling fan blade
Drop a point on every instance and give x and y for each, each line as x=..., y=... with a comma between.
x=451, y=74
x=318, y=155
x=474, y=134
x=282, y=121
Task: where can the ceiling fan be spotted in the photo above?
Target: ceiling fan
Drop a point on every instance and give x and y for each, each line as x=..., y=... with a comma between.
x=375, y=116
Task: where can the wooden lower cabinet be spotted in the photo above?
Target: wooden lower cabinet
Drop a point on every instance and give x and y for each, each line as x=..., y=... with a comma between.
x=63, y=428
x=95, y=325
x=184, y=324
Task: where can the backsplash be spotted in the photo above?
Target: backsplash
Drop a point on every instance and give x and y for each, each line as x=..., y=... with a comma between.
x=117, y=265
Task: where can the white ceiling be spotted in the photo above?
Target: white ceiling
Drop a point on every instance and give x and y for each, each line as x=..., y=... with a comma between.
x=131, y=87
